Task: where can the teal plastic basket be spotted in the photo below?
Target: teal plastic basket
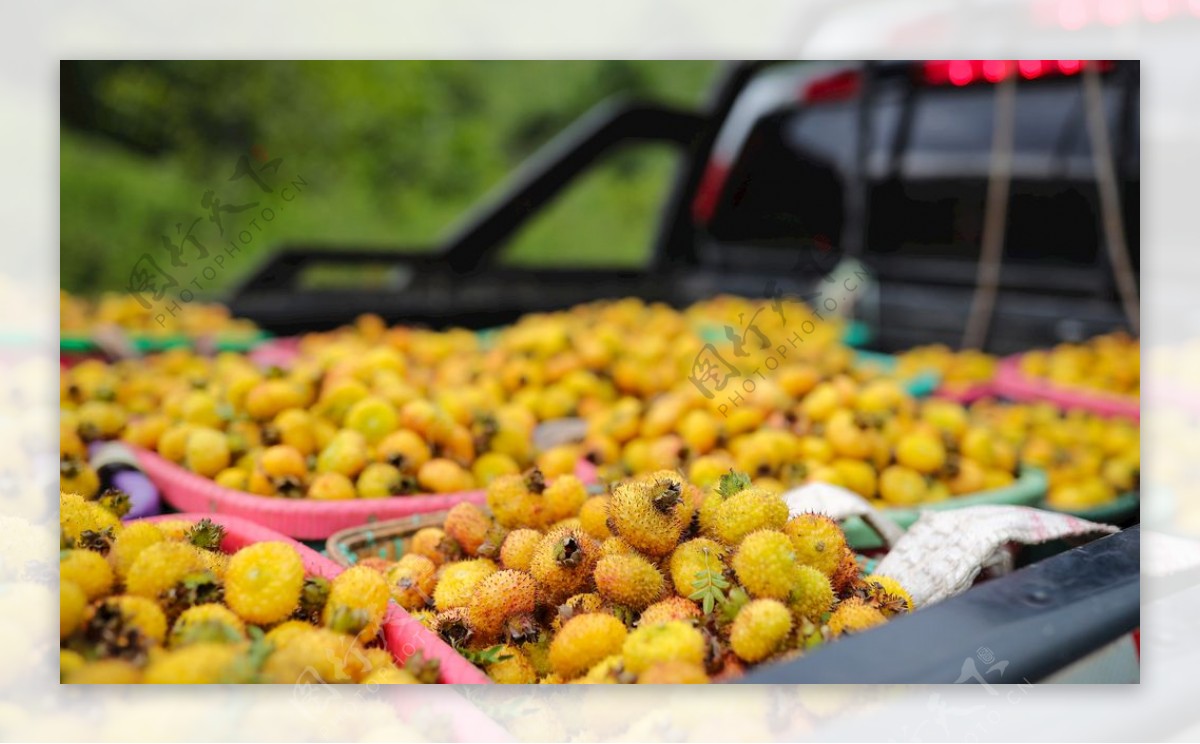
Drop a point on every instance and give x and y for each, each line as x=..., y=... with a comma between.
x=82, y=344
x=1118, y=510
x=921, y=386
x=1027, y=490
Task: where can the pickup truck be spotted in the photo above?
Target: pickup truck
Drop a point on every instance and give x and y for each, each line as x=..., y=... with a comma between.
x=788, y=169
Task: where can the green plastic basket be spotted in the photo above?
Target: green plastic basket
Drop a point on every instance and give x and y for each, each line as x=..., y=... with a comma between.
x=1119, y=509
x=1027, y=490
x=76, y=344
x=921, y=386
x=857, y=335
x=80, y=344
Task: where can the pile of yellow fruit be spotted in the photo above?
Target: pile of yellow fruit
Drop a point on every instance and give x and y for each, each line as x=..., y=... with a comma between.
x=368, y=411
x=1089, y=460
x=122, y=310
x=658, y=581
x=357, y=428
x=160, y=603
x=1110, y=364
x=955, y=369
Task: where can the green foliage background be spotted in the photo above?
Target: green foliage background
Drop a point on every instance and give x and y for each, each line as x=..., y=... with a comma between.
x=394, y=153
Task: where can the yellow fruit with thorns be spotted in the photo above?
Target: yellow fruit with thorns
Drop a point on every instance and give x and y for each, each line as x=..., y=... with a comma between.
x=628, y=580
x=586, y=640
x=674, y=641
x=563, y=563
x=650, y=513
x=818, y=542
x=760, y=629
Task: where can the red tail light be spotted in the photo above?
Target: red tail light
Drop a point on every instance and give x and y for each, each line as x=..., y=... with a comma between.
x=969, y=71
x=709, y=191
x=837, y=87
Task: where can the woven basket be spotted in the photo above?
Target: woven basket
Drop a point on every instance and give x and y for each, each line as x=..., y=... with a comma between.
x=388, y=540
x=1027, y=490
x=404, y=634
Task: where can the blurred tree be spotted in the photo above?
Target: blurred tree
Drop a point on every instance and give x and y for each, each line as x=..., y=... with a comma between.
x=394, y=151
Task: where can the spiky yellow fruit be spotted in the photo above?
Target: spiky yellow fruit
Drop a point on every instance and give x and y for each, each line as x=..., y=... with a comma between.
x=378, y=658
x=672, y=641
x=319, y=655
x=200, y=664
x=458, y=581
x=854, y=615
x=78, y=515
x=72, y=602
x=516, y=552
x=263, y=582
x=516, y=669
x=608, y=671
x=143, y=614
x=563, y=563
x=819, y=541
x=628, y=580
x=175, y=529
x=390, y=676
x=503, y=603
x=706, y=515
x=746, y=511
x=215, y=562
x=564, y=497
x=207, y=623
x=576, y=604
x=105, y=672
x=615, y=546
x=673, y=673
x=593, y=517
x=888, y=595
x=69, y=662
x=812, y=595
x=650, y=513
x=519, y=500
x=468, y=525
x=358, y=599
x=760, y=629
x=436, y=545
x=287, y=630
x=584, y=641
x=86, y=569
x=765, y=564
x=666, y=610
x=693, y=558
x=160, y=567
x=130, y=543
x=411, y=581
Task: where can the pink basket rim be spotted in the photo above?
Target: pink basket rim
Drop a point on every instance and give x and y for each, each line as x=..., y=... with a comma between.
x=301, y=518
x=278, y=352
x=401, y=630
x=964, y=394
x=1013, y=383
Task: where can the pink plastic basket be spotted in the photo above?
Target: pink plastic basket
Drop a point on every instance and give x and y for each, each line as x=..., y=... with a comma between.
x=1012, y=383
x=964, y=395
x=279, y=352
x=404, y=634
x=303, y=519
